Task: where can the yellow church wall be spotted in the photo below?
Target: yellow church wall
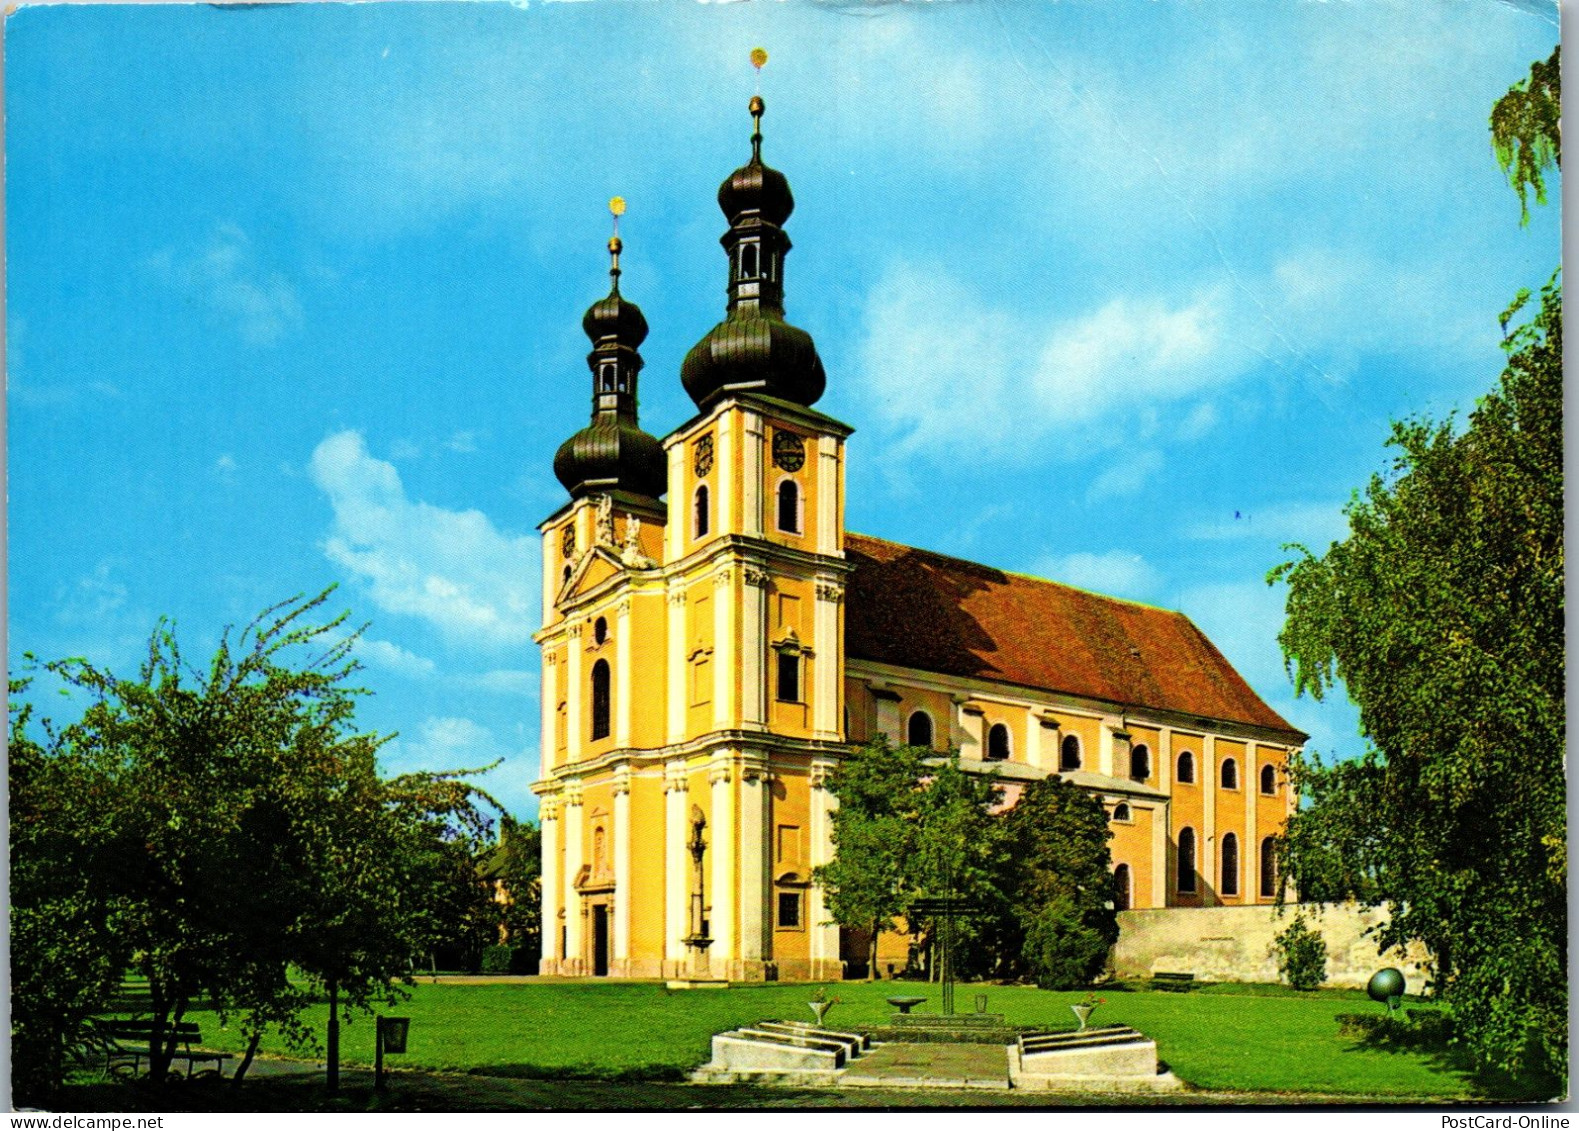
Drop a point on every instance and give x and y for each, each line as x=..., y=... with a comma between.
x=1229, y=817
x=1188, y=810
x=789, y=848
x=647, y=875
x=649, y=633
x=1132, y=845
x=791, y=610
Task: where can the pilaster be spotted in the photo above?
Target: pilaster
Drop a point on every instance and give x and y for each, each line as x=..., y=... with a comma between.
x=622, y=674
x=753, y=647
x=548, y=708
x=722, y=921
x=622, y=865
x=724, y=674
x=1206, y=864
x=674, y=532
x=572, y=900
x=828, y=517
x=574, y=724
x=823, y=941
x=676, y=862
x=756, y=942
x=549, y=888
x=675, y=729
x=828, y=641
x=753, y=445
x=1250, y=853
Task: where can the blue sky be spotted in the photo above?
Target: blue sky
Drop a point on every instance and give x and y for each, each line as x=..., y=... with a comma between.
x=1123, y=294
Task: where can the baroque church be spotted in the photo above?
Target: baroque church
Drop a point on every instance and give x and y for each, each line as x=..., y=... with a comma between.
x=714, y=642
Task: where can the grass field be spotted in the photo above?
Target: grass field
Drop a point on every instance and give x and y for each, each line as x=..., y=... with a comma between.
x=1219, y=1038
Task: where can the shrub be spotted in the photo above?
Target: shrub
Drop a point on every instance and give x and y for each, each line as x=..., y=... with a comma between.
x=497, y=959
x=1301, y=955
x=1062, y=949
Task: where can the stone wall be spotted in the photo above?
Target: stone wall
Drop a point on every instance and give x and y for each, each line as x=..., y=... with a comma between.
x=1234, y=944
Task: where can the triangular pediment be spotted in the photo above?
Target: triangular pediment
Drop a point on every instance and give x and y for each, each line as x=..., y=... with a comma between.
x=595, y=567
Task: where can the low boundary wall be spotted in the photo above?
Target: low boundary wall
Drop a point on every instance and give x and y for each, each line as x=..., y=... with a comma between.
x=1234, y=944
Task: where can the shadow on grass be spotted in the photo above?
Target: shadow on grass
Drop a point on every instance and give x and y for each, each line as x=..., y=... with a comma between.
x=1429, y=1034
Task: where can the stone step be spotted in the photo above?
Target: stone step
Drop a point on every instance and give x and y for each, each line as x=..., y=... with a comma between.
x=855, y=1043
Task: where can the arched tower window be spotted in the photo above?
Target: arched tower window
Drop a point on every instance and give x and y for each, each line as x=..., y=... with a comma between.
x=1230, y=774
x=1269, y=866
x=1069, y=753
x=1121, y=888
x=998, y=743
x=1186, y=767
x=1268, y=779
x=1230, y=884
x=1187, y=860
x=1140, y=763
x=748, y=261
x=789, y=507
x=701, y=511
x=600, y=700
x=919, y=731
x=1121, y=811
x=600, y=630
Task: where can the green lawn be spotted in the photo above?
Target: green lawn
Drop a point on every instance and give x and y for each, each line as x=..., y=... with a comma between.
x=1219, y=1038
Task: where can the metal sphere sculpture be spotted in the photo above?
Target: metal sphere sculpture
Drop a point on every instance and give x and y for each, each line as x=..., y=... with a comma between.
x=1386, y=985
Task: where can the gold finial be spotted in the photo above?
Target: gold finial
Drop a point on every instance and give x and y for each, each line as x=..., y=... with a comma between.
x=616, y=209
x=758, y=57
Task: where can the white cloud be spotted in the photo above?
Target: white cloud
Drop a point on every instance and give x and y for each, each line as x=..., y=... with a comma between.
x=225, y=273
x=933, y=346
x=1117, y=572
x=91, y=600
x=1127, y=475
x=453, y=569
x=393, y=658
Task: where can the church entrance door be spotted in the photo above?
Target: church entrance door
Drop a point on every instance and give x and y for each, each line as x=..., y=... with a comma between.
x=600, y=940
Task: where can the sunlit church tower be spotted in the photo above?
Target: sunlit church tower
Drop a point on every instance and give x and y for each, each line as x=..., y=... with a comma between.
x=703, y=671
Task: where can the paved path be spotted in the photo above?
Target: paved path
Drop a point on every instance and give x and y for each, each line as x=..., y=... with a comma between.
x=936, y=1064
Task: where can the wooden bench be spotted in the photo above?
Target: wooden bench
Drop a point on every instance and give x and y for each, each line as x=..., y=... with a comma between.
x=1175, y=983
x=126, y=1043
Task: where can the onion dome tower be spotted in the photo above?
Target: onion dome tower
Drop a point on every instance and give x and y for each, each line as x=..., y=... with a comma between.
x=753, y=348
x=612, y=453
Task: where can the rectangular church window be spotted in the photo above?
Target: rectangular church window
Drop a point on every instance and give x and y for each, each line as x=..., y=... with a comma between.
x=789, y=909
x=789, y=677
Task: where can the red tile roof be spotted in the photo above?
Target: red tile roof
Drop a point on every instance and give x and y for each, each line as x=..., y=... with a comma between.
x=916, y=609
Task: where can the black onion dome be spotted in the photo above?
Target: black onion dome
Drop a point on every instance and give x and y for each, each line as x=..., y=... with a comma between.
x=612, y=454
x=612, y=316
x=763, y=353
x=754, y=187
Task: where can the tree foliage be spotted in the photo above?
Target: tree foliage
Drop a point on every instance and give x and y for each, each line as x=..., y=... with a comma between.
x=912, y=825
x=1526, y=130
x=1301, y=954
x=520, y=872
x=1061, y=883
x=228, y=826
x=868, y=884
x=1442, y=614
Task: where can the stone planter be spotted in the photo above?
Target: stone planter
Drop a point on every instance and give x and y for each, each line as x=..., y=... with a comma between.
x=1082, y=1015
x=820, y=1009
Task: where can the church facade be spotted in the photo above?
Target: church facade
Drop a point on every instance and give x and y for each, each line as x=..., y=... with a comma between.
x=714, y=641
